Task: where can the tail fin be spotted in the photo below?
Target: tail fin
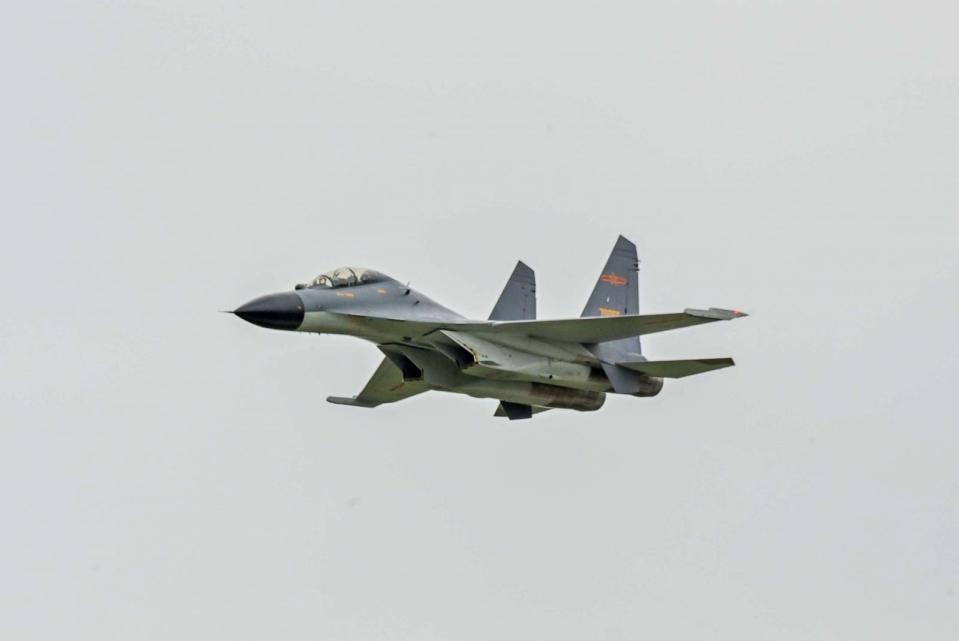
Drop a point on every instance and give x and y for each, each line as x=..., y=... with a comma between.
x=617, y=294
x=518, y=300
x=617, y=291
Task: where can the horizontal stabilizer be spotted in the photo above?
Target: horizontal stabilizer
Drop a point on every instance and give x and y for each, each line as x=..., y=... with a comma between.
x=678, y=369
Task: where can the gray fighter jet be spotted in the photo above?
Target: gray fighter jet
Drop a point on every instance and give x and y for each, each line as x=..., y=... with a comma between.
x=528, y=365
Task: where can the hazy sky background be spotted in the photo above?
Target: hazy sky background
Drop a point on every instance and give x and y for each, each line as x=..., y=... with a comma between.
x=168, y=472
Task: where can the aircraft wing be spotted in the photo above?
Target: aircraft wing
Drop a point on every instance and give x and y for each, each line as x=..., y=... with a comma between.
x=385, y=386
x=609, y=328
x=596, y=329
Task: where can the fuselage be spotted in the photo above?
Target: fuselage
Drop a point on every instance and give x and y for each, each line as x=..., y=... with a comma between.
x=519, y=369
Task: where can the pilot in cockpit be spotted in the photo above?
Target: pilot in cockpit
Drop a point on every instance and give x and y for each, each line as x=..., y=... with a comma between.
x=346, y=277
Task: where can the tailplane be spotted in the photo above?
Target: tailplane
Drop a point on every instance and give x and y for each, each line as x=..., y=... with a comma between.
x=678, y=369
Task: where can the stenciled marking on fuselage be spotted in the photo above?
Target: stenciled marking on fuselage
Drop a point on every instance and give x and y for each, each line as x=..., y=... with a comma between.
x=613, y=279
x=380, y=291
x=345, y=294
x=605, y=311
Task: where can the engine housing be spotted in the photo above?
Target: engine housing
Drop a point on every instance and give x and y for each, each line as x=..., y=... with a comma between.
x=649, y=386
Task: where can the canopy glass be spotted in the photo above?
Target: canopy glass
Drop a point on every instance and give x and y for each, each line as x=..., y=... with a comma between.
x=347, y=277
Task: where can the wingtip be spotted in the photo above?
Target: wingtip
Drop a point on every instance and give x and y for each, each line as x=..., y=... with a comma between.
x=728, y=314
x=716, y=313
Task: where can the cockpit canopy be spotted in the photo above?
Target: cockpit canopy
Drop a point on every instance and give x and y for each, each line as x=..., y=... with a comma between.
x=347, y=277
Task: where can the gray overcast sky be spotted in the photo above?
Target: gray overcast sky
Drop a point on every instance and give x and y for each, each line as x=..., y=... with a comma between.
x=167, y=472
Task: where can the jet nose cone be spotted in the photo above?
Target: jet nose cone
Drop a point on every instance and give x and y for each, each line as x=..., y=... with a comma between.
x=274, y=311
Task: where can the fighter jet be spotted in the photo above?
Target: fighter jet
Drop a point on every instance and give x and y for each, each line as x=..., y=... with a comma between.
x=528, y=365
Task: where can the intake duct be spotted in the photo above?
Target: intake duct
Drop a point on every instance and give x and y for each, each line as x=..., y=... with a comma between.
x=407, y=367
x=453, y=350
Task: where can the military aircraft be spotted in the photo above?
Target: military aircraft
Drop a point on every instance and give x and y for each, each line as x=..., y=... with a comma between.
x=528, y=365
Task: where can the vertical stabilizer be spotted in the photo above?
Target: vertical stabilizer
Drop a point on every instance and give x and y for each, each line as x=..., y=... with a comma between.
x=617, y=290
x=518, y=300
x=617, y=294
